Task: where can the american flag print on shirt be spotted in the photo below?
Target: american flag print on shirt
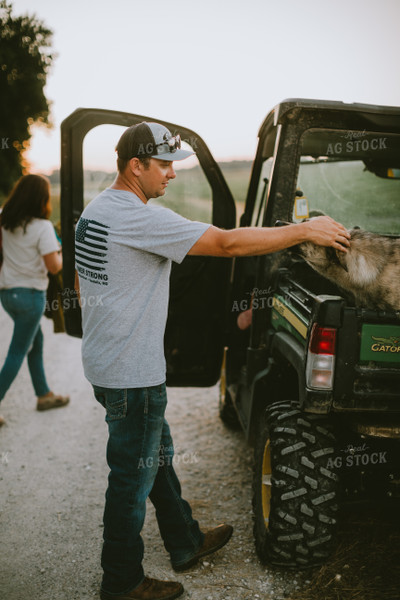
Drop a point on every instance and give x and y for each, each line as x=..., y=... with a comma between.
x=91, y=248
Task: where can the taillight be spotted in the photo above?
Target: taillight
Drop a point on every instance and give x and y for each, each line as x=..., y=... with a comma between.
x=321, y=358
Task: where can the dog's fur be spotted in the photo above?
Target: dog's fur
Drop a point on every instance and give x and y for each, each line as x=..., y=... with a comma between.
x=370, y=269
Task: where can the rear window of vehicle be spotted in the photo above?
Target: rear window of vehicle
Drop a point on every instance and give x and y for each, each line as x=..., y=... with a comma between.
x=353, y=176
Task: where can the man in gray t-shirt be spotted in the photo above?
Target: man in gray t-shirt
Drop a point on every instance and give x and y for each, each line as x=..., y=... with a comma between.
x=124, y=249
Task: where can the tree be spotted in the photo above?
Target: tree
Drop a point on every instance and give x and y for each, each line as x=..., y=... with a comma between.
x=25, y=59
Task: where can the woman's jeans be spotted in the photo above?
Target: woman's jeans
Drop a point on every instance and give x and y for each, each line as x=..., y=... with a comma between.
x=140, y=455
x=26, y=307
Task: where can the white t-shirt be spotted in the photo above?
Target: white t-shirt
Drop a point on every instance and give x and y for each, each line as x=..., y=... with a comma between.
x=23, y=265
x=123, y=254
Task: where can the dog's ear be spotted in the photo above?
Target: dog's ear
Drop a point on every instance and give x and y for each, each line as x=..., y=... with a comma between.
x=337, y=258
x=341, y=259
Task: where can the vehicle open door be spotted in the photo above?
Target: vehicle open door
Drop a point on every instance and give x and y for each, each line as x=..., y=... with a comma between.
x=195, y=331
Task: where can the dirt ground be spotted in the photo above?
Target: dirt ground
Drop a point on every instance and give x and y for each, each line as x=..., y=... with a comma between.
x=53, y=478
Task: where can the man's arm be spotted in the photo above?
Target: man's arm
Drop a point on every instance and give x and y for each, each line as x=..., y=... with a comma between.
x=254, y=241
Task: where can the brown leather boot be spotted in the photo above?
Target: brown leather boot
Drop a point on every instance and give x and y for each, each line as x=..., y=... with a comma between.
x=149, y=589
x=214, y=539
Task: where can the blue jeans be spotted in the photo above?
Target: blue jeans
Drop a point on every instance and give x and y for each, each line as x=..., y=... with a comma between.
x=140, y=456
x=26, y=307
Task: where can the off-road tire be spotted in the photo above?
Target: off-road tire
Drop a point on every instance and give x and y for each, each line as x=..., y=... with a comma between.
x=295, y=508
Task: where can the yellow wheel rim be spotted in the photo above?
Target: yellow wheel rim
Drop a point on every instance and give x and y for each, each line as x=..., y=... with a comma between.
x=266, y=483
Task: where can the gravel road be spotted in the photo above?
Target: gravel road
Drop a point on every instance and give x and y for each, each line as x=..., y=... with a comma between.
x=53, y=478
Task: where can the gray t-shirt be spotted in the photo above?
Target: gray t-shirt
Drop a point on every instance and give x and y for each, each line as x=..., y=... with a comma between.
x=123, y=253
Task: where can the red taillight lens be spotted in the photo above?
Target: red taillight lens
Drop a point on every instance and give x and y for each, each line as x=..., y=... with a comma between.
x=321, y=358
x=322, y=340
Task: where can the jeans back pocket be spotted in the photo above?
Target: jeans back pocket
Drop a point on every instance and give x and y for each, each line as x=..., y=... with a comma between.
x=115, y=401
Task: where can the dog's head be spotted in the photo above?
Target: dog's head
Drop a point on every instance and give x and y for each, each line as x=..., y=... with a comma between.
x=319, y=257
x=322, y=257
x=358, y=267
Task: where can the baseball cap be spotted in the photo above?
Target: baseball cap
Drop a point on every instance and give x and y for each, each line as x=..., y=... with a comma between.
x=150, y=140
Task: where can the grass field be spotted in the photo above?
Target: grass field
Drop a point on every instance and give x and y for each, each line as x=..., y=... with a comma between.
x=351, y=195
x=189, y=194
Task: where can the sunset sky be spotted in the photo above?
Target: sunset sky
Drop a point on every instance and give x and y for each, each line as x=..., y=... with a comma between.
x=215, y=67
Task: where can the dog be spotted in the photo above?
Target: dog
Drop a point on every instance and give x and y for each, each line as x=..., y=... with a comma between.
x=370, y=269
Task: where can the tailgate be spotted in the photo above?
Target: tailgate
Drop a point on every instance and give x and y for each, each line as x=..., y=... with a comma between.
x=368, y=361
x=380, y=344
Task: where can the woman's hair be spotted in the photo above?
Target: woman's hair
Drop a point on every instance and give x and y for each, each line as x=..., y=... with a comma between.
x=29, y=199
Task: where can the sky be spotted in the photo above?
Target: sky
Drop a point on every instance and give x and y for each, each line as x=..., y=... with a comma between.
x=217, y=67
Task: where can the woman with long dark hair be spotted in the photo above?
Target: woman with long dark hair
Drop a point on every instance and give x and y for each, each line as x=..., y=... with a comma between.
x=30, y=250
